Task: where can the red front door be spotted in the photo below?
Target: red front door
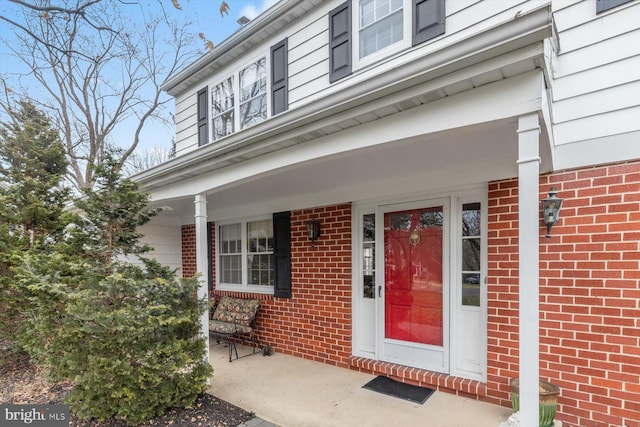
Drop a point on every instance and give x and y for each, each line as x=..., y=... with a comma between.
x=413, y=307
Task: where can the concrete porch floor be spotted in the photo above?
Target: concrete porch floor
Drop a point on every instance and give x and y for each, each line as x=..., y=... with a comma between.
x=292, y=392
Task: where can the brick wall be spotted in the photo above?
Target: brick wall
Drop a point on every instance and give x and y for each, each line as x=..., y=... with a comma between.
x=188, y=250
x=316, y=322
x=589, y=295
x=189, y=268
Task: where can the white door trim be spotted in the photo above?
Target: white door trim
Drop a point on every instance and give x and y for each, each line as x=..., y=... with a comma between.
x=423, y=356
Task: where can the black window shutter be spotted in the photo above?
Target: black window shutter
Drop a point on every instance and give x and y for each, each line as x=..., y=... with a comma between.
x=279, y=78
x=203, y=110
x=340, y=42
x=428, y=20
x=282, y=253
x=604, y=5
x=210, y=226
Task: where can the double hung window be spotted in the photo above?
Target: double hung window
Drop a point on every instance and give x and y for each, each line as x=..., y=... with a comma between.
x=379, y=29
x=246, y=255
x=380, y=24
x=253, y=93
x=240, y=100
x=223, y=106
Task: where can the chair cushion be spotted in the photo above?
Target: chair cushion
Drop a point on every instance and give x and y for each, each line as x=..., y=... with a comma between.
x=227, y=328
x=236, y=310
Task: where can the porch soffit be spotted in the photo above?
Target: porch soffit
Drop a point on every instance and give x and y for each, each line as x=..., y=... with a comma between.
x=501, y=53
x=388, y=158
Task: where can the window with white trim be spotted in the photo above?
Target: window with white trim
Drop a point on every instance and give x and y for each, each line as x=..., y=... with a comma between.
x=223, y=107
x=362, y=32
x=246, y=255
x=249, y=87
x=471, y=255
x=241, y=100
x=380, y=25
x=253, y=93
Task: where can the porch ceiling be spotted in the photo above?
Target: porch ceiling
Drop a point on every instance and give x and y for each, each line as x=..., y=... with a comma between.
x=416, y=166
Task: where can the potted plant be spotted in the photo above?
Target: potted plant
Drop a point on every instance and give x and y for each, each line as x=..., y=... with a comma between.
x=548, y=400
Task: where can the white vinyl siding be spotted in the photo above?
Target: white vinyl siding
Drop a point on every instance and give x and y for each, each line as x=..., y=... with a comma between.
x=165, y=239
x=308, y=54
x=596, y=73
x=186, y=124
x=308, y=60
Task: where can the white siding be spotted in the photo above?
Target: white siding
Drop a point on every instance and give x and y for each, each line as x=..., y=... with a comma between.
x=309, y=59
x=186, y=121
x=308, y=55
x=595, y=83
x=166, y=241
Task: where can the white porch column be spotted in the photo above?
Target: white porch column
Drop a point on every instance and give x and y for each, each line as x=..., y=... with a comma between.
x=529, y=219
x=202, y=259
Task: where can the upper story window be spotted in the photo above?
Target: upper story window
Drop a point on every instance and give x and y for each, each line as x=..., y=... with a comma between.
x=253, y=93
x=379, y=28
x=380, y=24
x=241, y=100
x=229, y=115
x=223, y=108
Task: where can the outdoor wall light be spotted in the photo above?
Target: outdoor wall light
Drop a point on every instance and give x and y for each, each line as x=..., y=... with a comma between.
x=313, y=230
x=551, y=209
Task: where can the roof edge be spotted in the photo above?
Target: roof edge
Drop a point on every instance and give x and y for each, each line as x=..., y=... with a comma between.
x=240, y=36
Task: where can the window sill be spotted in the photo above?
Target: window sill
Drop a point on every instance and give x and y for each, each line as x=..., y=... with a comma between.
x=267, y=290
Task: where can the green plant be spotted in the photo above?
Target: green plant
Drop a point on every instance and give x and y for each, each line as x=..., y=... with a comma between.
x=127, y=335
x=32, y=200
x=548, y=397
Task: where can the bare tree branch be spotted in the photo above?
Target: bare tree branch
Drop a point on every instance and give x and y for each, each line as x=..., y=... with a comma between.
x=96, y=72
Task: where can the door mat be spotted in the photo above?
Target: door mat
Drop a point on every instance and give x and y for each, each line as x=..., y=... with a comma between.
x=395, y=388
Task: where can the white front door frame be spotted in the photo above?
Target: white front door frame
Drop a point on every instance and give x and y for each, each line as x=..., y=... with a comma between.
x=423, y=356
x=366, y=305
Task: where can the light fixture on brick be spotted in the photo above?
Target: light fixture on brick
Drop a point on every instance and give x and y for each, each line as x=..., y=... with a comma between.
x=313, y=230
x=551, y=209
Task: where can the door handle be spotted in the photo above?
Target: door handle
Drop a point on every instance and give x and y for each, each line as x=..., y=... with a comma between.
x=379, y=291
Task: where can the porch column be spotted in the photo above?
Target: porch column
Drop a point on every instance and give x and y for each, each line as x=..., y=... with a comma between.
x=202, y=259
x=528, y=217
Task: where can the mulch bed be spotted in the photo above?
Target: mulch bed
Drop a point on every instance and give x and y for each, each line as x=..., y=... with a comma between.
x=21, y=382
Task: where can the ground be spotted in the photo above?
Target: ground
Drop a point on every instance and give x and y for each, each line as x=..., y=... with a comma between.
x=23, y=383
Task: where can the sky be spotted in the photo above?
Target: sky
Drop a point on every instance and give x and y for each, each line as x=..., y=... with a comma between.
x=206, y=18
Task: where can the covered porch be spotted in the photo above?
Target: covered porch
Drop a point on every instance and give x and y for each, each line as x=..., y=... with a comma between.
x=438, y=150
x=291, y=391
